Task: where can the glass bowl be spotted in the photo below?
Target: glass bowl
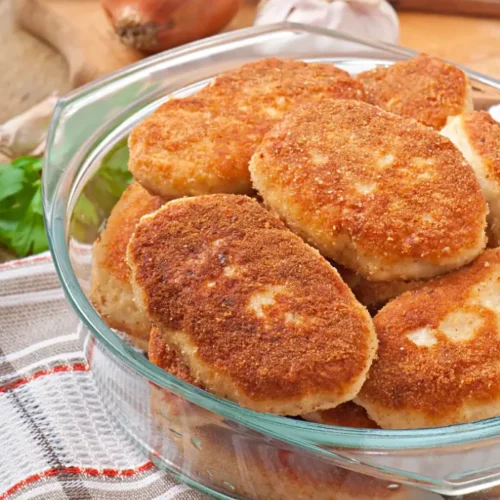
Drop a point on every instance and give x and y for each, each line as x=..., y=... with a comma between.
x=209, y=443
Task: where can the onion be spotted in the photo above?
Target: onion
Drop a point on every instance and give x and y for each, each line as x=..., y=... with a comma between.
x=156, y=25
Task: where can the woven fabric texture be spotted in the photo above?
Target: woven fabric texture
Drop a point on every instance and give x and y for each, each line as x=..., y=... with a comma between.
x=56, y=439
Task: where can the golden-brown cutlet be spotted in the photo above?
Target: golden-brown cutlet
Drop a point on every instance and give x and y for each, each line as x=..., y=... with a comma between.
x=268, y=472
x=424, y=88
x=163, y=356
x=110, y=289
x=194, y=146
x=477, y=136
x=439, y=356
x=202, y=144
x=268, y=88
x=345, y=415
x=168, y=409
x=378, y=193
x=375, y=294
x=258, y=316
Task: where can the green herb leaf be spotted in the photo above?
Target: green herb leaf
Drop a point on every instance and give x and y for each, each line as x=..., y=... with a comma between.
x=85, y=211
x=11, y=180
x=21, y=212
x=21, y=207
x=36, y=205
x=22, y=241
x=101, y=194
x=28, y=164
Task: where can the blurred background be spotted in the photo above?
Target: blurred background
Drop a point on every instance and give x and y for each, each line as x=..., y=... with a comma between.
x=465, y=31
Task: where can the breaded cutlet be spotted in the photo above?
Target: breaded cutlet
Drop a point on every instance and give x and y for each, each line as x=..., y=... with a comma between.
x=110, y=290
x=375, y=294
x=163, y=356
x=269, y=472
x=438, y=362
x=380, y=194
x=174, y=408
x=258, y=316
x=194, y=146
x=477, y=136
x=345, y=415
x=168, y=409
x=202, y=144
x=268, y=88
x=424, y=88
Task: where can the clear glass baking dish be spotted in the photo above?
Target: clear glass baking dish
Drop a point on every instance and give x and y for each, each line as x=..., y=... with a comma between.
x=213, y=444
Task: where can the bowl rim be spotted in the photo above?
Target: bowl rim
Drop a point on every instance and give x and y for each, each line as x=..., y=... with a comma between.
x=312, y=436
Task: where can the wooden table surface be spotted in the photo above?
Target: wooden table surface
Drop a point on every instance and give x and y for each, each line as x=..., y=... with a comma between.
x=31, y=69
x=472, y=41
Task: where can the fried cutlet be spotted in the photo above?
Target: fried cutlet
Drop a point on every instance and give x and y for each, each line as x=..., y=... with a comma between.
x=194, y=146
x=424, y=88
x=202, y=144
x=380, y=194
x=477, y=136
x=439, y=356
x=258, y=316
x=375, y=294
x=110, y=290
x=345, y=415
x=169, y=409
x=162, y=355
x=262, y=470
x=269, y=88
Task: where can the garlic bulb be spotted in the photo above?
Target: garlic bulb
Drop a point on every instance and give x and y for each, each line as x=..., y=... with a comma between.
x=25, y=134
x=374, y=19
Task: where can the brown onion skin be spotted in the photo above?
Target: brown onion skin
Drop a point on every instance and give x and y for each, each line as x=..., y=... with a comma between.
x=156, y=25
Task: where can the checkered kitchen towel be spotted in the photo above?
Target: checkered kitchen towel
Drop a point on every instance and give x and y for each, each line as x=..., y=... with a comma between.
x=56, y=440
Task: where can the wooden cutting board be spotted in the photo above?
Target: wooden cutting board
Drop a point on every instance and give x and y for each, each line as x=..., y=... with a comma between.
x=487, y=8
x=81, y=32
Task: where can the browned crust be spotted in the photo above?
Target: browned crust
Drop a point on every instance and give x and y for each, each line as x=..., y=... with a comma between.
x=202, y=144
x=375, y=294
x=270, y=87
x=483, y=133
x=194, y=146
x=133, y=204
x=423, y=88
x=169, y=410
x=423, y=206
x=264, y=471
x=111, y=292
x=163, y=356
x=345, y=415
x=436, y=382
x=180, y=257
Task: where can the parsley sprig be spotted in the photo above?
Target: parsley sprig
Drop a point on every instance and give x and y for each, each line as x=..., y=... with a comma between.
x=101, y=194
x=21, y=216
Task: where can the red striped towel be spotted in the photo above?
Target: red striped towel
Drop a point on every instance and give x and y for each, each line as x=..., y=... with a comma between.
x=57, y=442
